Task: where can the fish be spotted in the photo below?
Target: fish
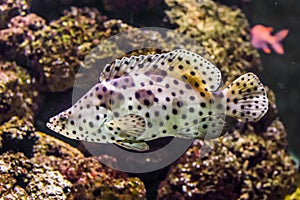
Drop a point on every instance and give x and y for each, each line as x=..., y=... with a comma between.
x=261, y=38
x=146, y=97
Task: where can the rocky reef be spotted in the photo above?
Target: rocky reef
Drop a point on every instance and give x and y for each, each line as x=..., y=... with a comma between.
x=17, y=95
x=221, y=30
x=239, y=166
x=34, y=165
x=293, y=196
x=36, y=56
x=12, y=8
x=53, y=53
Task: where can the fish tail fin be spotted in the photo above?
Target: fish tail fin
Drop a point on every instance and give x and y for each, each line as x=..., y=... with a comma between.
x=279, y=36
x=246, y=98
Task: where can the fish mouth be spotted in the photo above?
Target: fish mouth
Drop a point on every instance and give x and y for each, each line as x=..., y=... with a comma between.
x=48, y=124
x=51, y=123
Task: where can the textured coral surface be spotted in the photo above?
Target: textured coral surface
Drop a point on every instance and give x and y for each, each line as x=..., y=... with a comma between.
x=34, y=165
x=17, y=96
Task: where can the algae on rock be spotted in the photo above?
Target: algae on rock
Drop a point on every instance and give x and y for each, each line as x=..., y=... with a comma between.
x=53, y=53
x=42, y=167
x=238, y=166
x=17, y=95
x=221, y=30
x=12, y=8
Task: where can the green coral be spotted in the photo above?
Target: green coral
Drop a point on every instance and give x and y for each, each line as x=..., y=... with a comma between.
x=294, y=196
x=56, y=51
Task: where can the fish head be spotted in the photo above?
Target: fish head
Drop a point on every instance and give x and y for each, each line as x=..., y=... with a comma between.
x=60, y=123
x=260, y=30
x=81, y=121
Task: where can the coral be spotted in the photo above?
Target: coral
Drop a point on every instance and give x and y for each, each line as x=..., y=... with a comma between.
x=47, y=145
x=12, y=8
x=39, y=166
x=53, y=53
x=30, y=180
x=238, y=166
x=221, y=30
x=92, y=181
x=19, y=135
x=17, y=95
x=46, y=183
x=30, y=22
x=294, y=196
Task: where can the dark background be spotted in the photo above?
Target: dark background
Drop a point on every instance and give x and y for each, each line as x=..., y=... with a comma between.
x=282, y=72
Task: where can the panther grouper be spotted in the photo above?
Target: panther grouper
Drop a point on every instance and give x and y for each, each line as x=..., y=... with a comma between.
x=146, y=97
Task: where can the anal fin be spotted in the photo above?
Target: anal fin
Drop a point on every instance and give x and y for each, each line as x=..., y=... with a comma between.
x=136, y=146
x=215, y=125
x=190, y=132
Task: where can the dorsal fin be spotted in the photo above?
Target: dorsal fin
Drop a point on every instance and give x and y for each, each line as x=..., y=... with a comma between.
x=179, y=64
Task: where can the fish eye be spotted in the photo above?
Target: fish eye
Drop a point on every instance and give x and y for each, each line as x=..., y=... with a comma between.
x=63, y=119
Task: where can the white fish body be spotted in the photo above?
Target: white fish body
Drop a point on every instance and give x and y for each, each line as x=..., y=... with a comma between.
x=143, y=98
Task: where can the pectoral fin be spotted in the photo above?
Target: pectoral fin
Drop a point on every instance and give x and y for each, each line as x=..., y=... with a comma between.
x=132, y=124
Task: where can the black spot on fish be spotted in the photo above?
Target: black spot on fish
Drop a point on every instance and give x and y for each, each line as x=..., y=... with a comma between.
x=203, y=105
